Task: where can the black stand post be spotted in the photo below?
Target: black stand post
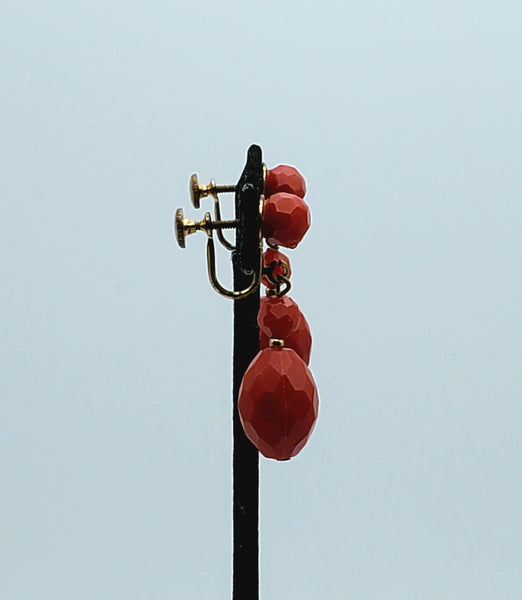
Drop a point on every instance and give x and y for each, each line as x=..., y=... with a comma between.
x=246, y=346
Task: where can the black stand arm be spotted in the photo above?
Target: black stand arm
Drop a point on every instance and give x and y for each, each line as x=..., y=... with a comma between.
x=246, y=346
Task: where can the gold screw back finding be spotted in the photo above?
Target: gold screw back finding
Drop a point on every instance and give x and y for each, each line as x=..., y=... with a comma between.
x=198, y=190
x=186, y=227
x=183, y=227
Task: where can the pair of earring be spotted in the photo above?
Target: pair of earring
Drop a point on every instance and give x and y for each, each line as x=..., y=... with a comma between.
x=278, y=400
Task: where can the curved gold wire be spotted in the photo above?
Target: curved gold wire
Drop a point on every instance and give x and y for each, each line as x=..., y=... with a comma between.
x=220, y=234
x=282, y=288
x=211, y=266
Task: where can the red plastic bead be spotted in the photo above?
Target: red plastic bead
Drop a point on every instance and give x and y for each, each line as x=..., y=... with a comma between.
x=281, y=318
x=286, y=219
x=300, y=340
x=284, y=178
x=278, y=317
x=278, y=403
x=271, y=256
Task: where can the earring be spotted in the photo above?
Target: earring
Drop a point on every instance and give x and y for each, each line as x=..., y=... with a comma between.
x=278, y=400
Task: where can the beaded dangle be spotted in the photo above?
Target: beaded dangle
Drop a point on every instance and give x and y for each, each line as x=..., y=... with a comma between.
x=275, y=400
x=278, y=401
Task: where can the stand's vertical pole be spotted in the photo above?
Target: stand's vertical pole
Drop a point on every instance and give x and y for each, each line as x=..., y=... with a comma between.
x=246, y=346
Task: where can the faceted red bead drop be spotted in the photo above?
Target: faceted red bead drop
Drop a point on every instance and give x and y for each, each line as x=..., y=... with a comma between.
x=278, y=316
x=300, y=340
x=281, y=318
x=286, y=219
x=278, y=403
x=274, y=256
x=284, y=178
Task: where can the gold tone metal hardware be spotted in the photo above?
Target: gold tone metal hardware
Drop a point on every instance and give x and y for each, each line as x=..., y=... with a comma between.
x=185, y=227
x=280, y=290
x=270, y=268
x=276, y=343
x=256, y=277
x=198, y=190
x=217, y=215
x=281, y=282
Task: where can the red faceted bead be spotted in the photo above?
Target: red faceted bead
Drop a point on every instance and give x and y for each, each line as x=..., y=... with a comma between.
x=278, y=317
x=278, y=403
x=284, y=178
x=281, y=318
x=300, y=340
x=274, y=256
x=286, y=219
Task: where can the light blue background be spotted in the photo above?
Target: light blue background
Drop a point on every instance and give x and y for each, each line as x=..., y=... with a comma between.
x=115, y=354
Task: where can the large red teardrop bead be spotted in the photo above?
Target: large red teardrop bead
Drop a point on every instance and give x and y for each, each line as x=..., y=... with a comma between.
x=284, y=178
x=286, y=219
x=278, y=403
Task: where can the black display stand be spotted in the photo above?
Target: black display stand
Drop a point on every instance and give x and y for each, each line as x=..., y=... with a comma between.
x=245, y=259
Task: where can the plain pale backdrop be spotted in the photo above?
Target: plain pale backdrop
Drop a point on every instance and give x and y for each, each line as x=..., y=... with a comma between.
x=115, y=353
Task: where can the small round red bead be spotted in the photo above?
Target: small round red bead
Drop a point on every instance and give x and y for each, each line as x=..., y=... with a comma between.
x=286, y=219
x=284, y=178
x=274, y=256
x=278, y=403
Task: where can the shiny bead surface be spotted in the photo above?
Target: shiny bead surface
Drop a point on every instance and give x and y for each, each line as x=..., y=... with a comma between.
x=271, y=256
x=284, y=178
x=299, y=340
x=278, y=403
x=286, y=219
x=282, y=319
x=278, y=317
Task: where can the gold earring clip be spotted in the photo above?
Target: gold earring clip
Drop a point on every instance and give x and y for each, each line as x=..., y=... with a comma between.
x=248, y=250
x=185, y=227
x=199, y=190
